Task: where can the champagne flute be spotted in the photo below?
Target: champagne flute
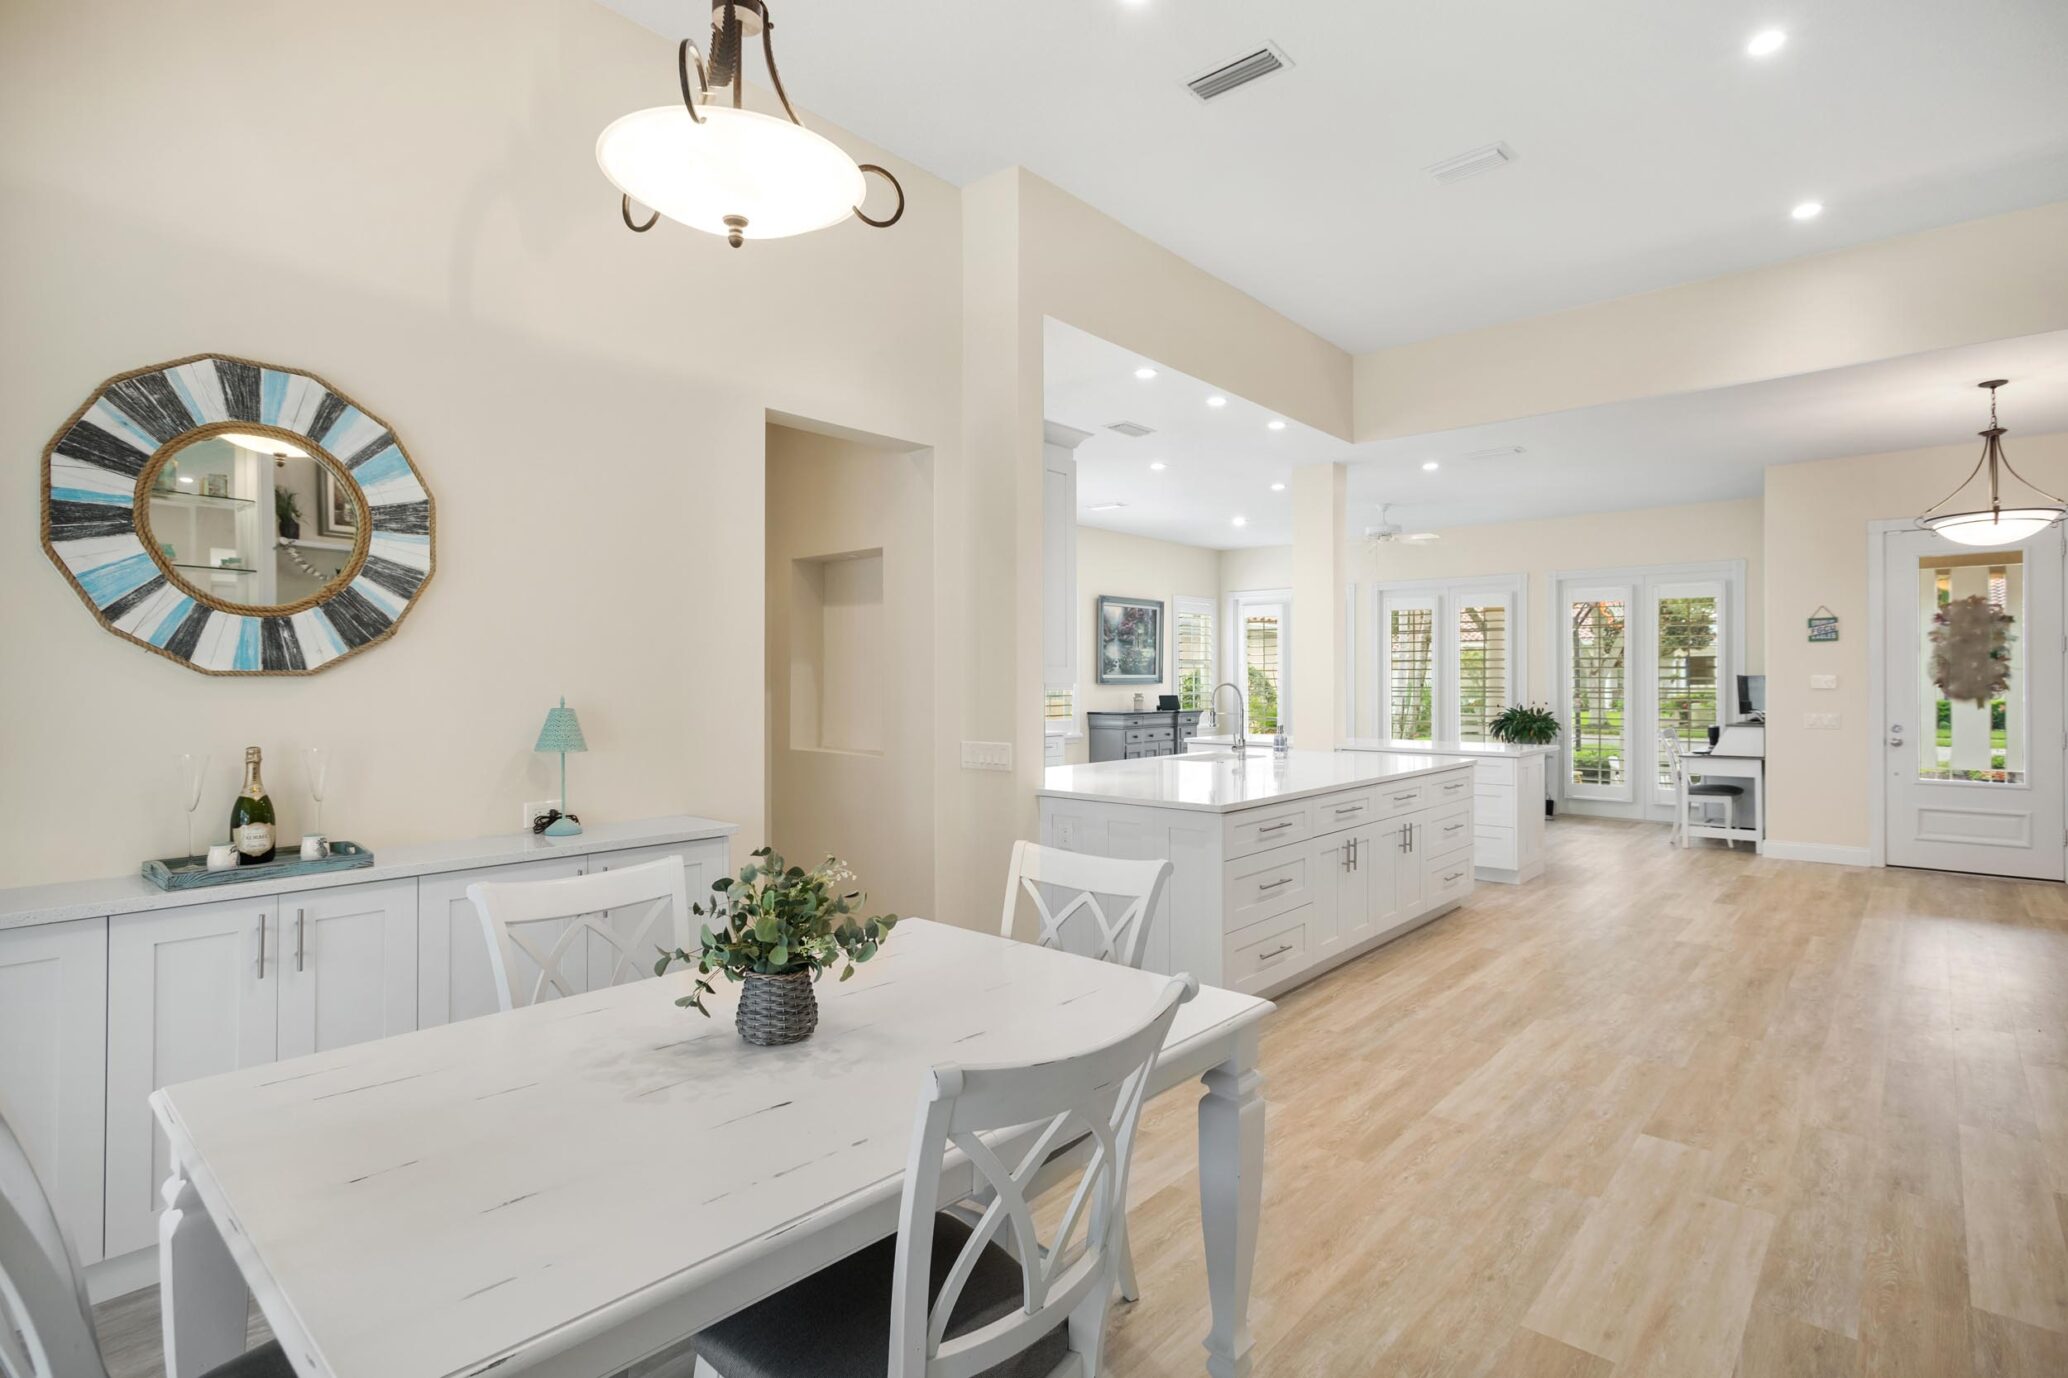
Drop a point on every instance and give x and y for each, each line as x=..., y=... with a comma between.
x=316, y=761
x=189, y=774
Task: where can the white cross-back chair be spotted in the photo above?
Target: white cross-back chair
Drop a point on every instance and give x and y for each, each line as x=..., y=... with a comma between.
x=1690, y=794
x=1112, y=902
x=960, y=1305
x=546, y=920
x=46, y=1323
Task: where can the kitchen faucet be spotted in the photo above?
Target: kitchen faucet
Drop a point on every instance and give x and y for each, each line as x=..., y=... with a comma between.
x=1213, y=706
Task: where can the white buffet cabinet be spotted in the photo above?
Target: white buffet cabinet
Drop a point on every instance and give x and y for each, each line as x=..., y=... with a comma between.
x=1281, y=866
x=111, y=989
x=1508, y=801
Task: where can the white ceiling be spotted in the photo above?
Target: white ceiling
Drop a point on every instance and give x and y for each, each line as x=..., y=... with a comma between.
x=1690, y=447
x=1652, y=149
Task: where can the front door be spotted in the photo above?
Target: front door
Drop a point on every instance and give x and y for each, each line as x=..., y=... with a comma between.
x=1973, y=743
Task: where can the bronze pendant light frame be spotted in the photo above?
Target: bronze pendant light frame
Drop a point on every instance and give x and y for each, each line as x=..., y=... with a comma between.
x=1993, y=459
x=732, y=21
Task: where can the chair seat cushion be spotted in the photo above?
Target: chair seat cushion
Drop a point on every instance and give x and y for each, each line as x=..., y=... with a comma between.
x=836, y=1323
x=1715, y=790
x=267, y=1361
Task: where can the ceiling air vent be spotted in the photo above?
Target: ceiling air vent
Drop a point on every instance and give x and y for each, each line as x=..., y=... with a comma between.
x=1471, y=163
x=1133, y=430
x=1241, y=72
x=1497, y=452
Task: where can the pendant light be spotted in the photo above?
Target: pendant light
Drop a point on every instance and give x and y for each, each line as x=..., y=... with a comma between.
x=1994, y=524
x=727, y=170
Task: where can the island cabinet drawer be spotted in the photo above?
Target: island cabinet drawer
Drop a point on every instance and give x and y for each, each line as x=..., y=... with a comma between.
x=1268, y=883
x=1255, y=830
x=1448, y=830
x=1499, y=771
x=1334, y=812
x=1267, y=953
x=1390, y=801
x=1494, y=845
x=1446, y=878
x=1454, y=788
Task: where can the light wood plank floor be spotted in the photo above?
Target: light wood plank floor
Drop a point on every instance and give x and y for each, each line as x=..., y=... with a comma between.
x=1661, y=1113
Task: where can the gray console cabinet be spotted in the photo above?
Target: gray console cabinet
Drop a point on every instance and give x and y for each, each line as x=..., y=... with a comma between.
x=1136, y=736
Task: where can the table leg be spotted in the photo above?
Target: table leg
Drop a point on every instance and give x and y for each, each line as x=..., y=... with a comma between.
x=202, y=1298
x=1231, y=1198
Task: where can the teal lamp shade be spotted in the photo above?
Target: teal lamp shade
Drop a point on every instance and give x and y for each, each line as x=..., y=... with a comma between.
x=562, y=733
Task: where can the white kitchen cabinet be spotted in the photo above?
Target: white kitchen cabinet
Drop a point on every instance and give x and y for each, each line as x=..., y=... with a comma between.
x=1507, y=795
x=348, y=966
x=191, y=992
x=53, y=1063
x=454, y=977
x=702, y=863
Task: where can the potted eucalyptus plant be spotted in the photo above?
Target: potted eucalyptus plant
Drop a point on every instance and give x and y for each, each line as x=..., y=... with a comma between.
x=287, y=512
x=777, y=929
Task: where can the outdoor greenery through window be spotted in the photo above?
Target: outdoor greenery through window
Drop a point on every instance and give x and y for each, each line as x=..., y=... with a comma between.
x=1411, y=674
x=1689, y=642
x=1195, y=655
x=1262, y=649
x=1060, y=703
x=1482, y=668
x=1971, y=741
x=1600, y=652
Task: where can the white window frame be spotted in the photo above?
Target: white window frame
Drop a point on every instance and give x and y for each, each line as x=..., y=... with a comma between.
x=1392, y=601
x=1640, y=587
x=1186, y=603
x=1445, y=597
x=1233, y=654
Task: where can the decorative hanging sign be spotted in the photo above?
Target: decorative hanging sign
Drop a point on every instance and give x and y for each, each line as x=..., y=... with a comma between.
x=1823, y=624
x=1971, y=650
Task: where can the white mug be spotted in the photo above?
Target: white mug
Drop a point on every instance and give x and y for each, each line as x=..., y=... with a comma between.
x=222, y=856
x=315, y=846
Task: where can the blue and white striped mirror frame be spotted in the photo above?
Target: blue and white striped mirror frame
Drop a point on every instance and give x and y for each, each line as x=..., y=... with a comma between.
x=101, y=464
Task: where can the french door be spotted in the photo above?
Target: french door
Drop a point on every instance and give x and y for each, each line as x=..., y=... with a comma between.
x=1972, y=746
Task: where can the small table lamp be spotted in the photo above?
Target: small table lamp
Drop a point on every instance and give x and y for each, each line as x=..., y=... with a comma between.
x=562, y=733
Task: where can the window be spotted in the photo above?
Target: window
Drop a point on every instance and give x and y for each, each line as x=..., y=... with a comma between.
x=1263, y=646
x=1688, y=619
x=1482, y=663
x=1599, y=661
x=1447, y=658
x=1411, y=669
x=1195, y=651
x=1060, y=704
x=1976, y=742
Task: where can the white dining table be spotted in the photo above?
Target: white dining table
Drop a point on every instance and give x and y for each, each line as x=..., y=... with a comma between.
x=574, y=1187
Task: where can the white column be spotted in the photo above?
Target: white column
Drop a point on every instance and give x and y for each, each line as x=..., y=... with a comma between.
x=1319, y=650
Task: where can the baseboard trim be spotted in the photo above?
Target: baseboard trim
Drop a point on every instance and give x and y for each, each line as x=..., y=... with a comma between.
x=1822, y=853
x=121, y=1275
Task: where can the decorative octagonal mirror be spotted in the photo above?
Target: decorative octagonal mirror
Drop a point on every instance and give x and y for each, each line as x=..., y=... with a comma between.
x=238, y=518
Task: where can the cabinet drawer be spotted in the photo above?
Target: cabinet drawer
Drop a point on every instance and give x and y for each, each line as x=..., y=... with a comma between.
x=1446, y=878
x=1500, y=795
x=1259, y=829
x=1148, y=734
x=1493, y=845
x=1448, y=830
x=1334, y=812
x=1453, y=789
x=1267, y=953
x=1389, y=801
x=1500, y=771
x=1269, y=883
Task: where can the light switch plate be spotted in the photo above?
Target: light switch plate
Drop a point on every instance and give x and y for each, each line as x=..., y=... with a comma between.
x=987, y=755
x=1823, y=681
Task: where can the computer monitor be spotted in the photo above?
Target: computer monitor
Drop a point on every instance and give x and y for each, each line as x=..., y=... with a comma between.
x=1752, y=696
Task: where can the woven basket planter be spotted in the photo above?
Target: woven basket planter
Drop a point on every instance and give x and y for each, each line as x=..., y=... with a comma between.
x=775, y=1010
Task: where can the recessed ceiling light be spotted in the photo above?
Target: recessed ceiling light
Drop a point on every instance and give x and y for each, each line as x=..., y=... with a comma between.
x=1808, y=210
x=1274, y=425
x=1278, y=488
x=1145, y=374
x=1242, y=521
x=1430, y=466
x=1217, y=401
x=1157, y=465
x=1766, y=42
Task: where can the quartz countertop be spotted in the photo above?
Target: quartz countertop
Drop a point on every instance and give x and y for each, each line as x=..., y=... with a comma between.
x=1484, y=750
x=92, y=899
x=1219, y=785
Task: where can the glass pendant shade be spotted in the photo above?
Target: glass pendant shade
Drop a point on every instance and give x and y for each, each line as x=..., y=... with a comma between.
x=765, y=177
x=2011, y=525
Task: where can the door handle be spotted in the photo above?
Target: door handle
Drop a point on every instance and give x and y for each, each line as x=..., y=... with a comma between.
x=298, y=948
x=1353, y=853
x=262, y=947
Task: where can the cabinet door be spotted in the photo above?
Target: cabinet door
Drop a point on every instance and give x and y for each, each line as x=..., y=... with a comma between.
x=1383, y=858
x=454, y=979
x=702, y=863
x=1407, y=890
x=348, y=966
x=191, y=993
x=1338, y=894
x=1368, y=878
x=53, y=1064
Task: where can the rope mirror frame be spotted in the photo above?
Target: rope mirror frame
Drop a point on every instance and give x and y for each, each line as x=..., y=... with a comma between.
x=104, y=460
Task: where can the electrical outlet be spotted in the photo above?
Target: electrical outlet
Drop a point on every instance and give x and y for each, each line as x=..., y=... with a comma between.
x=987, y=755
x=1823, y=681
x=537, y=809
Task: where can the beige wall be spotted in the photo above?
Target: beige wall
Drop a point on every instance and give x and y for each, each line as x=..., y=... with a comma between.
x=1265, y=567
x=851, y=713
x=421, y=220
x=1134, y=567
x=1817, y=552
x=1693, y=534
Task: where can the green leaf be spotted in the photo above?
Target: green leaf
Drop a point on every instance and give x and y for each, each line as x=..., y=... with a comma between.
x=723, y=883
x=779, y=956
x=849, y=971
x=766, y=928
x=660, y=967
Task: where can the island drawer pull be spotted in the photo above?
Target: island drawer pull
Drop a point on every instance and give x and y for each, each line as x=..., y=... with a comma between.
x=1452, y=876
x=1349, y=808
x=1274, y=884
x=1408, y=798
x=1278, y=826
x=1456, y=784
x=1274, y=952
x=1452, y=827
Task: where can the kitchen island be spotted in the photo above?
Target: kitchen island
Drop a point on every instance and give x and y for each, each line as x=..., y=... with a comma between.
x=1281, y=866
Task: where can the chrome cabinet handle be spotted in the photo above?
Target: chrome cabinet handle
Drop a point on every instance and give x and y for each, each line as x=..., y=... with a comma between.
x=298, y=947
x=1354, y=858
x=1274, y=952
x=1275, y=827
x=1274, y=884
x=1452, y=876
x=1348, y=808
x=1405, y=798
x=1407, y=837
x=1452, y=827
x=262, y=947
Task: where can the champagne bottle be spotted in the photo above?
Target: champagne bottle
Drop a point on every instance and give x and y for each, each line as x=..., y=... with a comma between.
x=251, y=817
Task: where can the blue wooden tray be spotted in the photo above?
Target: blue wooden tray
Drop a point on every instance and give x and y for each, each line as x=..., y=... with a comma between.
x=192, y=873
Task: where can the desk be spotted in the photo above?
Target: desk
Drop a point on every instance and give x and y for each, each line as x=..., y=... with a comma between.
x=569, y=1188
x=1749, y=770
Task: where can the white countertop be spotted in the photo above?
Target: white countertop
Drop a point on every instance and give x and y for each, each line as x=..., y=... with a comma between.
x=1485, y=750
x=1219, y=786
x=91, y=899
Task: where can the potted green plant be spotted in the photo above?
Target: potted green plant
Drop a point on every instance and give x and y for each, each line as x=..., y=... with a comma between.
x=1524, y=725
x=287, y=511
x=776, y=929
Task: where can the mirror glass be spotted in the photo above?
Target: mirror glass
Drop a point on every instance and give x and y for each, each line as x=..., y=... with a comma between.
x=253, y=521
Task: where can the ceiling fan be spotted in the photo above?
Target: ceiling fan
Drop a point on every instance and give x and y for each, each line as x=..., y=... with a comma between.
x=1392, y=533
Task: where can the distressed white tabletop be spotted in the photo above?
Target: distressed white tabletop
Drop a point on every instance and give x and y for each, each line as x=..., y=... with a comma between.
x=430, y=1204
